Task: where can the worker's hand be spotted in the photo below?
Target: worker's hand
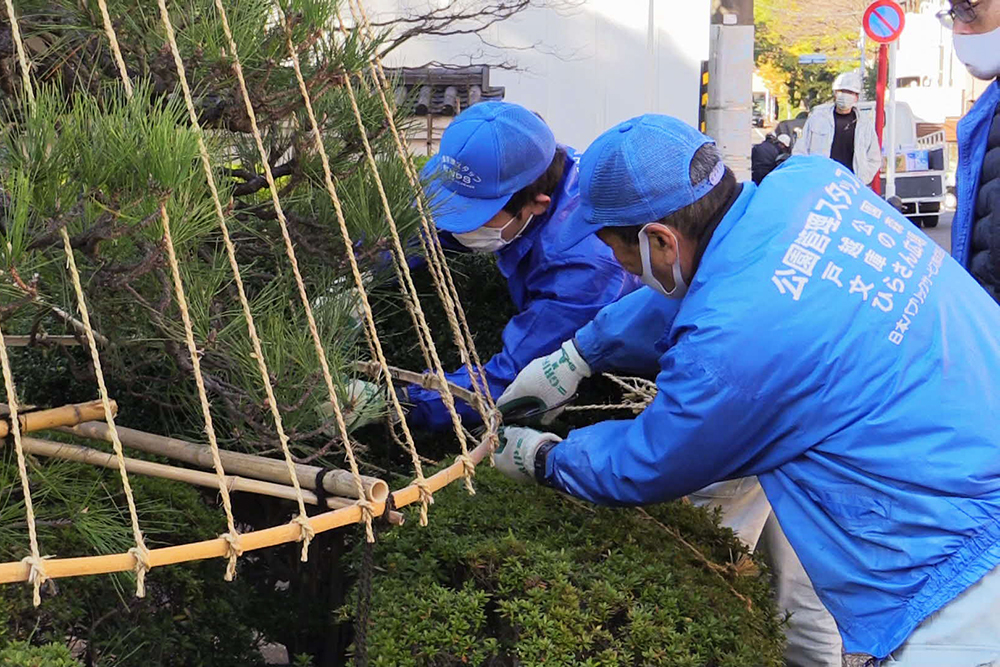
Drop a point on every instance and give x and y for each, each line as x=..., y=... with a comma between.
x=344, y=297
x=546, y=381
x=515, y=457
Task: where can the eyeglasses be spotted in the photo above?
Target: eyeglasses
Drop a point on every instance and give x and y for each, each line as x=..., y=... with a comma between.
x=961, y=10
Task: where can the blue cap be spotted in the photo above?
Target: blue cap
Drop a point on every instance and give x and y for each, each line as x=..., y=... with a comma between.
x=639, y=172
x=488, y=153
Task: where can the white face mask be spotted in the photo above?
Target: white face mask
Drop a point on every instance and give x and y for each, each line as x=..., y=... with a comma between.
x=490, y=239
x=845, y=101
x=680, y=287
x=980, y=53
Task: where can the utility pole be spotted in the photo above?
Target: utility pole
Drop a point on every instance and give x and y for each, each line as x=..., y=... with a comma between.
x=730, y=88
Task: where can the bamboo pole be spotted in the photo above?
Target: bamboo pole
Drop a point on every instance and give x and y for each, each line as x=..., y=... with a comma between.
x=40, y=339
x=61, y=450
x=425, y=380
x=336, y=482
x=65, y=415
x=218, y=548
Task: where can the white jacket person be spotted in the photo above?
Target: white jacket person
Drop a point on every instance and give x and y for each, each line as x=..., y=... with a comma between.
x=818, y=133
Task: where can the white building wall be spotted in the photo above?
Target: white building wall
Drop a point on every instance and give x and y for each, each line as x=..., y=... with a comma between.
x=583, y=69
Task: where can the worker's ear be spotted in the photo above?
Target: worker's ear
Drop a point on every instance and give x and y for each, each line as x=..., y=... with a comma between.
x=539, y=205
x=663, y=243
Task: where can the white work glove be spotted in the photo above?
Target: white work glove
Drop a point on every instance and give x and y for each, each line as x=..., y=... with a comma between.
x=364, y=403
x=546, y=381
x=515, y=457
x=341, y=295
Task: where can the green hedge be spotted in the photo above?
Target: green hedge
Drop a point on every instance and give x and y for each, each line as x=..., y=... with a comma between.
x=519, y=575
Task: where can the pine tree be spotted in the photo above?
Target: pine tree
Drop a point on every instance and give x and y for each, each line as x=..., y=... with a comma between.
x=88, y=158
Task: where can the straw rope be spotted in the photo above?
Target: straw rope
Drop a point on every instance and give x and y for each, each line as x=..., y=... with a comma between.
x=305, y=532
x=139, y=551
x=400, y=255
x=37, y=573
x=109, y=30
x=21, y=55
x=232, y=536
x=431, y=243
x=426, y=497
x=363, y=501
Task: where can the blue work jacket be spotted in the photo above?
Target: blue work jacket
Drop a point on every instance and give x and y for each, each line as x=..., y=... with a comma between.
x=830, y=348
x=973, y=131
x=556, y=289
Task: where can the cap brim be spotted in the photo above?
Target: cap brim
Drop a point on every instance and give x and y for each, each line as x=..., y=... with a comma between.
x=452, y=212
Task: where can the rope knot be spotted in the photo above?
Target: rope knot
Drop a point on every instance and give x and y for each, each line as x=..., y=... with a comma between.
x=367, y=516
x=468, y=471
x=426, y=498
x=36, y=576
x=233, y=551
x=141, y=555
x=306, y=534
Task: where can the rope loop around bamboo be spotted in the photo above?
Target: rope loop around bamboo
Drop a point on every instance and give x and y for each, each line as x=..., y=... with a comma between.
x=36, y=576
x=142, y=566
x=233, y=552
x=306, y=534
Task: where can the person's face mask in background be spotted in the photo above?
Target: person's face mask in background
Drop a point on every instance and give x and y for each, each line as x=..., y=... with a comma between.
x=490, y=239
x=844, y=100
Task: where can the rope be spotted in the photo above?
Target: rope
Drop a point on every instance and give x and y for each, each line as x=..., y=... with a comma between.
x=139, y=551
x=426, y=498
x=109, y=30
x=141, y=562
x=233, y=535
x=431, y=243
x=363, y=500
x=21, y=55
x=37, y=574
x=258, y=354
x=400, y=256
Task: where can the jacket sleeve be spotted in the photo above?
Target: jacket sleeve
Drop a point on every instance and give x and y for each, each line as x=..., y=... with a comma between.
x=625, y=336
x=565, y=296
x=802, y=146
x=871, y=162
x=699, y=429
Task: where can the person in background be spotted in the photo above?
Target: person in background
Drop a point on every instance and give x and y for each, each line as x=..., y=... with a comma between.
x=792, y=126
x=501, y=184
x=839, y=131
x=768, y=154
x=822, y=344
x=975, y=232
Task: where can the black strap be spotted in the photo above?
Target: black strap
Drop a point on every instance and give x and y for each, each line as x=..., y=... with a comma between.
x=362, y=619
x=321, y=494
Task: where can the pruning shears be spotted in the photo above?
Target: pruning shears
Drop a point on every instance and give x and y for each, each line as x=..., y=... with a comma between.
x=526, y=412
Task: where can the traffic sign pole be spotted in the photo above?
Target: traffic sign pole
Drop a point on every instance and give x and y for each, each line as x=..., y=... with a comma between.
x=883, y=22
x=890, y=172
x=883, y=75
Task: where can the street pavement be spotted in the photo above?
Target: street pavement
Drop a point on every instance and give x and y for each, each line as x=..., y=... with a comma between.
x=942, y=233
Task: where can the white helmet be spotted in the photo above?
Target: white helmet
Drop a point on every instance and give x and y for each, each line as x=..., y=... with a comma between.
x=848, y=81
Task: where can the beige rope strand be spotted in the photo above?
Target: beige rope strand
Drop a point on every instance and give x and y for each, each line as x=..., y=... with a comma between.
x=232, y=536
x=446, y=395
x=437, y=262
x=363, y=500
x=21, y=55
x=140, y=551
x=37, y=573
x=109, y=30
x=305, y=532
x=426, y=498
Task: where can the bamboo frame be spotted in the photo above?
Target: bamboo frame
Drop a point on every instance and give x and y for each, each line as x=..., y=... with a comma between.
x=219, y=548
x=40, y=339
x=68, y=452
x=66, y=415
x=336, y=482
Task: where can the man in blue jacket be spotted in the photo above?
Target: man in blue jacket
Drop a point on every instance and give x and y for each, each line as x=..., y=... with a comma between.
x=975, y=231
x=500, y=184
x=822, y=344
